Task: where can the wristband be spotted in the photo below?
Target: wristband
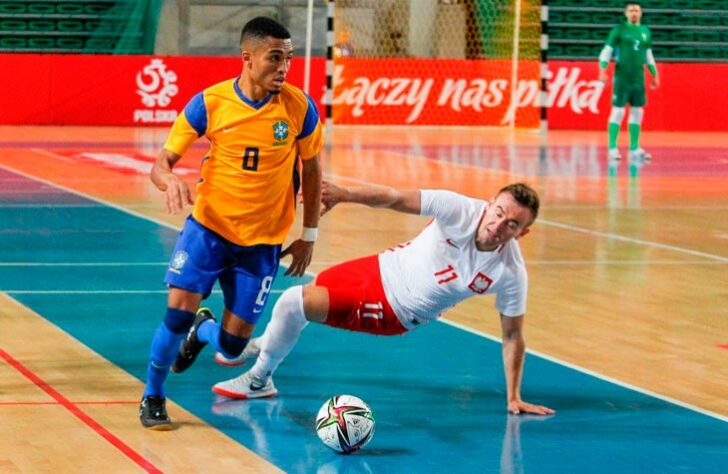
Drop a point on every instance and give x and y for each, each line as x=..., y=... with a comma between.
x=309, y=234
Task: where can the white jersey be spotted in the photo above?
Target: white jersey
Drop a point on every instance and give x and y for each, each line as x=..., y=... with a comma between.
x=441, y=266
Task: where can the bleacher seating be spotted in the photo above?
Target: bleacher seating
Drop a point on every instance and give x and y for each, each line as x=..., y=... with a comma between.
x=682, y=30
x=78, y=26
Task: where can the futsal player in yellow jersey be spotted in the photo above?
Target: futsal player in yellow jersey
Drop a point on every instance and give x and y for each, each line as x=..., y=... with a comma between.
x=258, y=127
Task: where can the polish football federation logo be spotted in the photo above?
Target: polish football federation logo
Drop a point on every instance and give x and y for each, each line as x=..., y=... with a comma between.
x=480, y=283
x=156, y=85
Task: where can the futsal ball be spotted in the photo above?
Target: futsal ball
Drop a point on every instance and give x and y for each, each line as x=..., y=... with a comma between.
x=345, y=423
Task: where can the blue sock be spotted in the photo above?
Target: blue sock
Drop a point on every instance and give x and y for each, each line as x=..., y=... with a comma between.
x=165, y=346
x=212, y=333
x=209, y=332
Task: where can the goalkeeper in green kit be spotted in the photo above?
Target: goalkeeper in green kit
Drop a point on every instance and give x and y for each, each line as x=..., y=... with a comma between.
x=630, y=44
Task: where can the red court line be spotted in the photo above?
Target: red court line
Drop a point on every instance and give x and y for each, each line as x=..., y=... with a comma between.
x=75, y=403
x=90, y=422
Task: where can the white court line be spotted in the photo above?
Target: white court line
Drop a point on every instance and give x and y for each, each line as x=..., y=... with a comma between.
x=327, y=263
x=594, y=374
x=30, y=192
x=625, y=262
x=576, y=207
x=444, y=320
x=52, y=206
x=87, y=196
x=100, y=292
x=83, y=264
x=51, y=154
x=647, y=243
x=609, y=235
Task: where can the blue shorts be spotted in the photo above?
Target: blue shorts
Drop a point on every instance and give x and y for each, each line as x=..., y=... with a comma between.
x=245, y=274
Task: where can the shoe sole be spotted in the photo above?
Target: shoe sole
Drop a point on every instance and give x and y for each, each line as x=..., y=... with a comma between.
x=161, y=427
x=244, y=396
x=229, y=363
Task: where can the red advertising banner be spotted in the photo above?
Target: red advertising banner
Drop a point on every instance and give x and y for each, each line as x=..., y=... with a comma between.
x=43, y=89
x=433, y=92
x=151, y=90
x=459, y=92
x=691, y=97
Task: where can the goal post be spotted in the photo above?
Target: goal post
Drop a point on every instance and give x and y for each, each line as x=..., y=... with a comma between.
x=437, y=62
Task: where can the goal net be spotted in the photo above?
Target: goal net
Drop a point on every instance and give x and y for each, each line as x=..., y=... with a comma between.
x=436, y=62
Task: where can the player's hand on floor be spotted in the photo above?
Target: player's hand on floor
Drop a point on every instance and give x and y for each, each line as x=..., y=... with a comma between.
x=331, y=195
x=301, y=251
x=523, y=407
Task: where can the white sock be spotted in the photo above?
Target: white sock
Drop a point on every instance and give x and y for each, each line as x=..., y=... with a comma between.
x=282, y=332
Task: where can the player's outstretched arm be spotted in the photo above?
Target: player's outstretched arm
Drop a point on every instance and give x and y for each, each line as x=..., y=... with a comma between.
x=514, y=350
x=301, y=250
x=373, y=196
x=176, y=191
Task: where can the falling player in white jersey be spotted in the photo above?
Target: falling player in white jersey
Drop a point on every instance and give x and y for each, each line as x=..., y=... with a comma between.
x=469, y=248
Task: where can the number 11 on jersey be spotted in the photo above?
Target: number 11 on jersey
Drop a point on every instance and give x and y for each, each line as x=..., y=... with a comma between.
x=445, y=275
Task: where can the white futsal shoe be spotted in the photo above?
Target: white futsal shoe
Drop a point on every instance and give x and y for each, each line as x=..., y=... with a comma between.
x=639, y=155
x=246, y=386
x=251, y=351
x=614, y=154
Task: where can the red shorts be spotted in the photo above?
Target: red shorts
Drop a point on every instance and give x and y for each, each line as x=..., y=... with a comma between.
x=356, y=298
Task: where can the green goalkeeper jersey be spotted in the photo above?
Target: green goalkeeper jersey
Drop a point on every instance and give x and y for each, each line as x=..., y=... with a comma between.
x=630, y=43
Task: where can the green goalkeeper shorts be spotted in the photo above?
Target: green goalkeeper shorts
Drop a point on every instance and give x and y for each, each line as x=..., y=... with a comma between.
x=632, y=93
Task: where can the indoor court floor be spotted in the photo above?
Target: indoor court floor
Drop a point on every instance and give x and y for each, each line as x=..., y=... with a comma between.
x=627, y=326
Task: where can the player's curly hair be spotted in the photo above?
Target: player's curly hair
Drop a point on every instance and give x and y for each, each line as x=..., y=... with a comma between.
x=524, y=195
x=262, y=27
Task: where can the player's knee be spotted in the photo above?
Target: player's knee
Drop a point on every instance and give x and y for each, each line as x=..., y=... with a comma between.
x=231, y=346
x=178, y=321
x=636, y=114
x=616, y=115
x=290, y=306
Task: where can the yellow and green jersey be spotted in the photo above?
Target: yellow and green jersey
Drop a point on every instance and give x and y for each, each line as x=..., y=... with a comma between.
x=246, y=192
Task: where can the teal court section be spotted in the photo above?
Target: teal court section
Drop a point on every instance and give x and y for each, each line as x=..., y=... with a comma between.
x=437, y=393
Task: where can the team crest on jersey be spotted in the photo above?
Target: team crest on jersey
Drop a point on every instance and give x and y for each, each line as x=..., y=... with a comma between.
x=280, y=132
x=480, y=283
x=178, y=261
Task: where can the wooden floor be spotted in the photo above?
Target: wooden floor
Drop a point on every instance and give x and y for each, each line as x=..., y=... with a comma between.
x=628, y=273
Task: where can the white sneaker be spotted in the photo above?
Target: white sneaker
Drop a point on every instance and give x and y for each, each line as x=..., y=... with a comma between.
x=614, y=154
x=251, y=351
x=246, y=386
x=639, y=155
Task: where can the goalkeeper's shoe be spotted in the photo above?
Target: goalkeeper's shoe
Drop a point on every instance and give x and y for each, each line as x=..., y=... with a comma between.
x=639, y=155
x=614, y=154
